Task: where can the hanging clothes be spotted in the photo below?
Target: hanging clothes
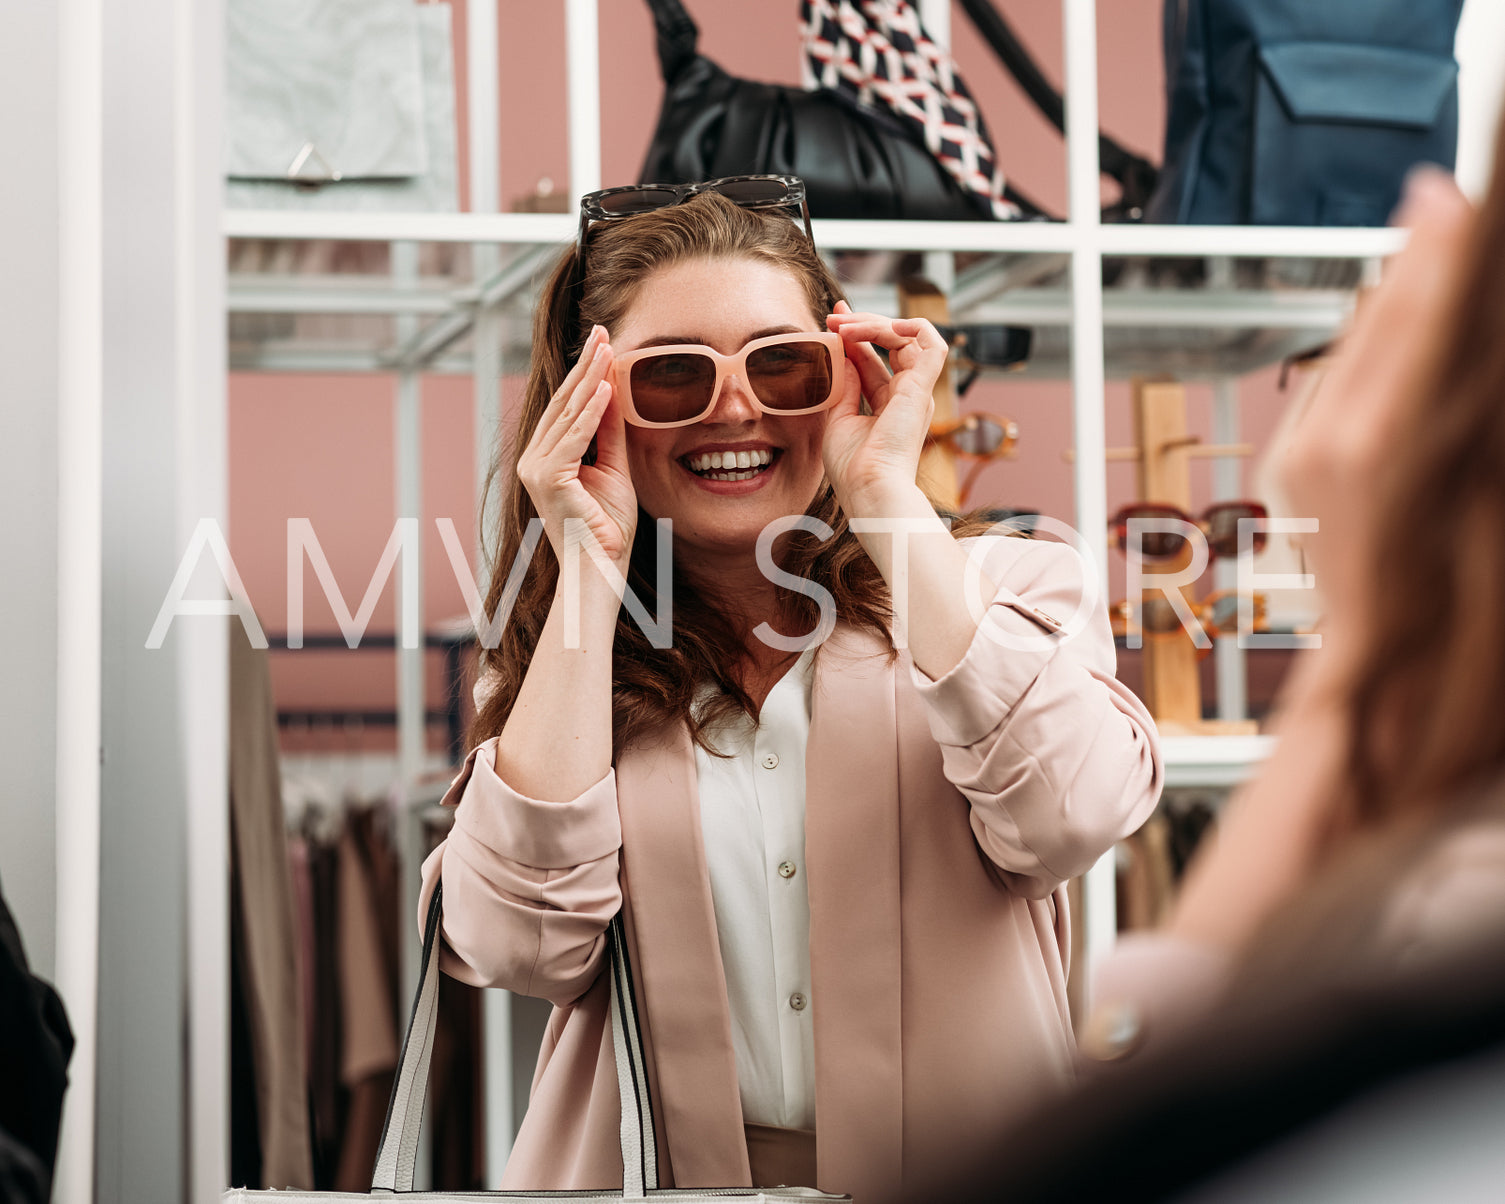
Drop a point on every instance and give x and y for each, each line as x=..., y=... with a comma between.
x=263, y=949
x=456, y=1082
x=368, y=1036
x=1146, y=875
x=347, y=884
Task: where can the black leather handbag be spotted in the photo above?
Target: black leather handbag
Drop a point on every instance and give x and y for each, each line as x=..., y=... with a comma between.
x=856, y=162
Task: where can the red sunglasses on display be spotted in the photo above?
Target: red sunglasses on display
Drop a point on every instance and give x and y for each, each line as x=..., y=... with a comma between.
x=786, y=374
x=1219, y=523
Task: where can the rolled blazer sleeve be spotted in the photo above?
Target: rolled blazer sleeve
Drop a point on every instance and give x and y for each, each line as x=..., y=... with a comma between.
x=529, y=886
x=1058, y=759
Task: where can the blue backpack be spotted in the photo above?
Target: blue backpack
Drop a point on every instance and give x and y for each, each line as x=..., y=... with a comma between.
x=1303, y=112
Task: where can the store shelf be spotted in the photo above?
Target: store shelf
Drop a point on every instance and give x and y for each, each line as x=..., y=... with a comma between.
x=523, y=228
x=1199, y=321
x=1196, y=333
x=256, y=293
x=840, y=234
x=1198, y=309
x=1270, y=242
x=1212, y=761
x=515, y=228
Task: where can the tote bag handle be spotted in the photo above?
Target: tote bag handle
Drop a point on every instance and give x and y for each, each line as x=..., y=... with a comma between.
x=396, y=1157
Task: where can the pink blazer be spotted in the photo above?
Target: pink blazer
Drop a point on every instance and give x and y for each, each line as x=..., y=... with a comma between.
x=942, y=820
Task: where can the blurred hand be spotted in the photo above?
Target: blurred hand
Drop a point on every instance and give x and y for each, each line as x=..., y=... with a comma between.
x=1356, y=429
x=1376, y=387
x=550, y=468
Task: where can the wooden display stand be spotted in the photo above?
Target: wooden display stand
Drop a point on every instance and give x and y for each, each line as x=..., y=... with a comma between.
x=918, y=298
x=1163, y=452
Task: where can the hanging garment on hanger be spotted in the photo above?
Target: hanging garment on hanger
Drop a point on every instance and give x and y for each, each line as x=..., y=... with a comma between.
x=1189, y=824
x=457, y=1090
x=303, y=921
x=456, y=1079
x=264, y=939
x=370, y=827
x=326, y=1094
x=368, y=1030
x=1146, y=876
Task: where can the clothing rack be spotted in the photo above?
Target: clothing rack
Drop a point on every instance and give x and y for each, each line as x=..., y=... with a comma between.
x=451, y=715
x=417, y=792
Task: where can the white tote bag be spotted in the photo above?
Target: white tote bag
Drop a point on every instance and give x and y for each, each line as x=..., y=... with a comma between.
x=397, y=1155
x=340, y=105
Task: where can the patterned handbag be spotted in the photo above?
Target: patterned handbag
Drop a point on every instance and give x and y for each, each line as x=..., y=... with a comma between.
x=397, y=1156
x=857, y=159
x=877, y=54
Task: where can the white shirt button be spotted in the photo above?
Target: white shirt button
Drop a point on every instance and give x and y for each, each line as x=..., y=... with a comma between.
x=770, y=760
x=786, y=869
x=798, y=1002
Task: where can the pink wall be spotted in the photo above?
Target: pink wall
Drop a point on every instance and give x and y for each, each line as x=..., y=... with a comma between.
x=322, y=447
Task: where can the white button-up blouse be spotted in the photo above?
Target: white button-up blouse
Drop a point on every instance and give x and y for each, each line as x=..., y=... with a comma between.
x=752, y=819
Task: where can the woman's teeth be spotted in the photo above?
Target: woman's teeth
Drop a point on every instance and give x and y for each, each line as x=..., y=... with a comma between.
x=730, y=465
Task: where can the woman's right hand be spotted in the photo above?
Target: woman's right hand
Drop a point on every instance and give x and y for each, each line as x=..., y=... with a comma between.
x=562, y=488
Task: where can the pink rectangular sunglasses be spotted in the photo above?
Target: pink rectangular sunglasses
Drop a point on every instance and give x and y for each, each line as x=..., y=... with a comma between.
x=795, y=373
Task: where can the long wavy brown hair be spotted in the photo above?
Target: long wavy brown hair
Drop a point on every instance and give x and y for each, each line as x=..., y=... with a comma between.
x=1428, y=698
x=653, y=685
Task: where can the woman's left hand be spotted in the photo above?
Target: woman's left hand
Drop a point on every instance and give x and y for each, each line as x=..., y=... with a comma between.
x=868, y=455
x=1355, y=432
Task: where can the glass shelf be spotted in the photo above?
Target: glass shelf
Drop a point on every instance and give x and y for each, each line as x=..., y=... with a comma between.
x=323, y=304
x=1213, y=761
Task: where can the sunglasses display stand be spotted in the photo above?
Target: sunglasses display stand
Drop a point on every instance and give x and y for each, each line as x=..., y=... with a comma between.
x=938, y=476
x=1164, y=450
x=919, y=298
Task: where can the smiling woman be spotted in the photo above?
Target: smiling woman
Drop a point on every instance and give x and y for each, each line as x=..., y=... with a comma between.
x=729, y=307
x=829, y=707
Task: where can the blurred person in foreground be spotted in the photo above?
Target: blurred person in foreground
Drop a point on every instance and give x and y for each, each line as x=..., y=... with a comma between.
x=1324, y=1016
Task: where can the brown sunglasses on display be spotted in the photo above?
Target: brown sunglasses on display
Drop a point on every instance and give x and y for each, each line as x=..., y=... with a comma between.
x=1218, y=613
x=1219, y=523
x=978, y=434
x=786, y=375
